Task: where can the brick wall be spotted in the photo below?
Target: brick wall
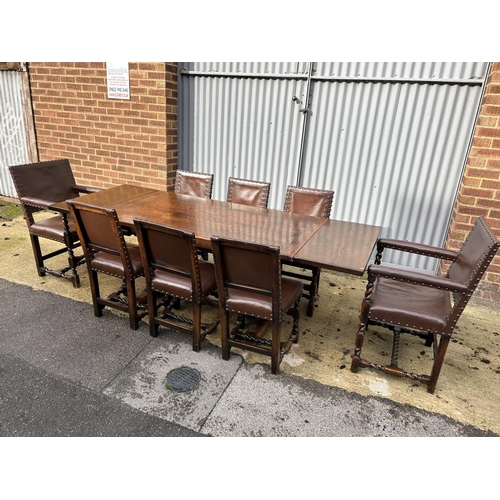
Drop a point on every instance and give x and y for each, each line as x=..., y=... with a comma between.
x=108, y=141
x=480, y=190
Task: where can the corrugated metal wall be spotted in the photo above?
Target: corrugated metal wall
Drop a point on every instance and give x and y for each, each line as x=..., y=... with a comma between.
x=392, y=143
x=13, y=142
x=241, y=127
x=391, y=139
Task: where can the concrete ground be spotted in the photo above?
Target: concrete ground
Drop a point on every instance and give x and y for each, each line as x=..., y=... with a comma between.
x=68, y=373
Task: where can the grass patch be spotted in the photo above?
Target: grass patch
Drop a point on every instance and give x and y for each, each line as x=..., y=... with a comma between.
x=9, y=211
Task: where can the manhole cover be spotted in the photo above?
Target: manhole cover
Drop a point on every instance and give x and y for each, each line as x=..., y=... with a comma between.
x=183, y=379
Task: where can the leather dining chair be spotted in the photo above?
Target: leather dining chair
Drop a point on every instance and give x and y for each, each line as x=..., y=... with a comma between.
x=316, y=203
x=173, y=271
x=423, y=305
x=250, y=285
x=38, y=186
x=107, y=252
x=194, y=183
x=248, y=192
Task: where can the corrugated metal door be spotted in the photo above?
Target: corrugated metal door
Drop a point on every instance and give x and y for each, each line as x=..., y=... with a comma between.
x=241, y=120
x=391, y=139
x=15, y=128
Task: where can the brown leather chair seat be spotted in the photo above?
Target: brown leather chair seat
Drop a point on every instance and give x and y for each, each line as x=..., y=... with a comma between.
x=181, y=286
x=108, y=263
x=260, y=306
x=430, y=307
x=51, y=228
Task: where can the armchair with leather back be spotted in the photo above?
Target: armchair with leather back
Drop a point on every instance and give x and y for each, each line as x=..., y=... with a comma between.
x=40, y=185
x=426, y=306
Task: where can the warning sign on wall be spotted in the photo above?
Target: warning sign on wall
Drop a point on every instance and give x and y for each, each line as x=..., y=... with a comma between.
x=118, y=80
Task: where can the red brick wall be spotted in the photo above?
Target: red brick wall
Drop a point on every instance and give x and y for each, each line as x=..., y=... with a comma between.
x=108, y=141
x=480, y=190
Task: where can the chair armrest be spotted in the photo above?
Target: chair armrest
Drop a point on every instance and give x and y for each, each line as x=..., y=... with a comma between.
x=415, y=277
x=417, y=248
x=35, y=202
x=85, y=189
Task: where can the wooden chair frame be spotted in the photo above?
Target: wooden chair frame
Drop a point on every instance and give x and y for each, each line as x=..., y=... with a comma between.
x=39, y=185
x=160, y=304
x=125, y=298
x=252, y=339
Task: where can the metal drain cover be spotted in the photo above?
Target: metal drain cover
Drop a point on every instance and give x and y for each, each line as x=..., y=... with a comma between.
x=183, y=379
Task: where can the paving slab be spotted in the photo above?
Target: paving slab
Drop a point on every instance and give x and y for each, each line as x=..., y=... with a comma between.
x=258, y=403
x=144, y=383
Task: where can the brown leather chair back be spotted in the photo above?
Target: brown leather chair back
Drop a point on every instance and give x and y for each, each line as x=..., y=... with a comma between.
x=99, y=230
x=308, y=201
x=475, y=249
x=248, y=192
x=473, y=258
x=248, y=277
x=51, y=181
x=173, y=252
x=194, y=183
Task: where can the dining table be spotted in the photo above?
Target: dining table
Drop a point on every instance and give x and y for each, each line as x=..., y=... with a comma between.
x=337, y=245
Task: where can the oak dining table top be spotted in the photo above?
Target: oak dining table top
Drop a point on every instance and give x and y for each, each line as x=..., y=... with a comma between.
x=326, y=243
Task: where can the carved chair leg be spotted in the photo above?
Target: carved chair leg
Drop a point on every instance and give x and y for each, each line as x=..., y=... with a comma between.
x=152, y=313
x=224, y=334
x=196, y=327
x=37, y=252
x=363, y=325
x=132, y=304
x=438, y=363
x=94, y=287
x=72, y=260
x=395, y=346
x=313, y=291
x=275, y=347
